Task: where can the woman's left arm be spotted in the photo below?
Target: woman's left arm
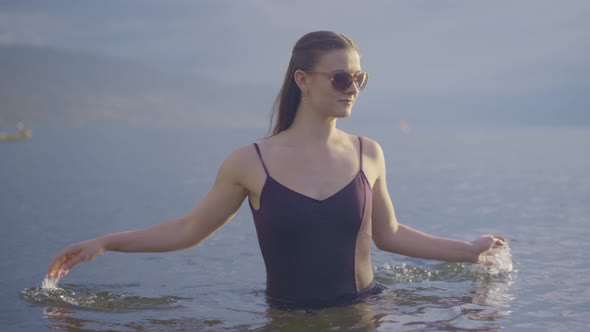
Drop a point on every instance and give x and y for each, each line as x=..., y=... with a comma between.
x=391, y=236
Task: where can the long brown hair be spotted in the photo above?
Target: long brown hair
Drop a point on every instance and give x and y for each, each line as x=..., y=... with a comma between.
x=305, y=55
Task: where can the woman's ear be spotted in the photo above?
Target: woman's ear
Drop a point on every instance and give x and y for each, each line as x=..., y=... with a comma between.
x=302, y=81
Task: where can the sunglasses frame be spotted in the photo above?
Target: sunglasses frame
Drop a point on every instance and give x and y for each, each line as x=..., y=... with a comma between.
x=353, y=78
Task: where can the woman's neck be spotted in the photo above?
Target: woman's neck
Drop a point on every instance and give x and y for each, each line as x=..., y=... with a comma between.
x=310, y=128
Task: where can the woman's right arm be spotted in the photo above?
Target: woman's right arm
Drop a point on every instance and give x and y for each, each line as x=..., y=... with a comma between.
x=217, y=208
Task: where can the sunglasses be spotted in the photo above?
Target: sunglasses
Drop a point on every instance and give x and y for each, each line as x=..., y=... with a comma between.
x=342, y=80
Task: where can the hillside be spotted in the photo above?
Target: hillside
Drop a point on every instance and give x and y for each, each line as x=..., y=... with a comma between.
x=44, y=85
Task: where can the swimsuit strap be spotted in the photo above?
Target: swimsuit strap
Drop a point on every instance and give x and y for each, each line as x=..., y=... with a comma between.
x=361, y=153
x=261, y=160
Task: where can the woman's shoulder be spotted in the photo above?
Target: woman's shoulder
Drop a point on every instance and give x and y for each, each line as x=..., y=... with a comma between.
x=371, y=148
x=241, y=162
x=243, y=155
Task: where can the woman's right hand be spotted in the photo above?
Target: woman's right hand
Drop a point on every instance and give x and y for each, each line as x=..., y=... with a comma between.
x=73, y=255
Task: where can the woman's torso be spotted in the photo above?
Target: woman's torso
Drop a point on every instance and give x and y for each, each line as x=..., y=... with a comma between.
x=312, y=209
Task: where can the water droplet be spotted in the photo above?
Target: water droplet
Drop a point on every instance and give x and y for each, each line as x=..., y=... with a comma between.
x=49, y=283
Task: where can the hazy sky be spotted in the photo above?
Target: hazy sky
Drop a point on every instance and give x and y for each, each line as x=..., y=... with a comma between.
x=409, y=47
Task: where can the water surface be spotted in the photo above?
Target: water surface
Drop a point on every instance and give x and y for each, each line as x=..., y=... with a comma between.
x=68, y=184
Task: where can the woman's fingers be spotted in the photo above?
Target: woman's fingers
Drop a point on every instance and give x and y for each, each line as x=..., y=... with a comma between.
x=499, y=241
x=74, y=261
x=495, y=240
x=74, y=255
x=57, y=265
x=57, y=261
x=499, y=238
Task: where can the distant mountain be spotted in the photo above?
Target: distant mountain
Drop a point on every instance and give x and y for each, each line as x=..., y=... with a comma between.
x=45, y=85
x=562, y=106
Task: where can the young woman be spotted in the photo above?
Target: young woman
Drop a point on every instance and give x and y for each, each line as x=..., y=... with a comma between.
x=318, y=195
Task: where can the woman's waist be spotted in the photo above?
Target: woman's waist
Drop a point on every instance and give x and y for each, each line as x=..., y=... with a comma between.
x=321, y=299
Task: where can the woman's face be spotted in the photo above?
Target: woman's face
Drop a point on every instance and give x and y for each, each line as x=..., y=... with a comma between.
x=321, y=95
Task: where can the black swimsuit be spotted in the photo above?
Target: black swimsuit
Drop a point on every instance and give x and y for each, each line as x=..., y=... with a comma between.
x=316, y=251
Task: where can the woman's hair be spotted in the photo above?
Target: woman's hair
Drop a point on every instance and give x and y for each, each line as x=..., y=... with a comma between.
x=305, y=55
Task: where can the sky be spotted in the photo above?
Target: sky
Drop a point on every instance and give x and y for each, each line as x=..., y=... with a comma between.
x=433, y=49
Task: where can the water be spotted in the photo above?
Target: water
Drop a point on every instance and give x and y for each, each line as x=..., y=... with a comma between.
x=498, y=260
x=530, y=185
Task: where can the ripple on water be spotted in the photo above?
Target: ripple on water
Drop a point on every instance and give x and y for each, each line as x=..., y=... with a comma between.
x=447, y=296
x=49, y=294
x=497, y=264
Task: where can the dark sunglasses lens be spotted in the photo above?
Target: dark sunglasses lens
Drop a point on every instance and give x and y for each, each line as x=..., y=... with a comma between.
x=341, y=81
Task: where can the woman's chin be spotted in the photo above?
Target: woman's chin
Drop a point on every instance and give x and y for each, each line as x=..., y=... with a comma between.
x=338, y=112
x=345, y=113
x=342, y=112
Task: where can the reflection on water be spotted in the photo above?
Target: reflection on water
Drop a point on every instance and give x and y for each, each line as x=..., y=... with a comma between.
x=446, y=296
x=61, y=319
x=358, y=317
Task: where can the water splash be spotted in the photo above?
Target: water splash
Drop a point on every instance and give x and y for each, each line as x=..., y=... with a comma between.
x=497, y=264
x=49, y=283
x=78, y=296
x=497, y=261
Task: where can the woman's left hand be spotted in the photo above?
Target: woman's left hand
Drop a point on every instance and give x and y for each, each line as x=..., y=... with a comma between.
x=485, y=243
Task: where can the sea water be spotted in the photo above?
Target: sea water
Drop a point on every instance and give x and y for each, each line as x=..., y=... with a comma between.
x=529, y=185
x=496, y=261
